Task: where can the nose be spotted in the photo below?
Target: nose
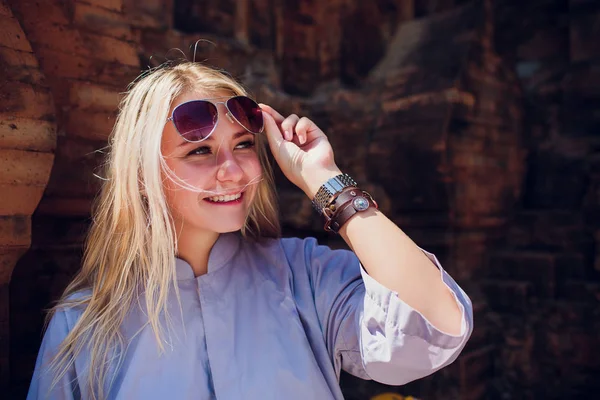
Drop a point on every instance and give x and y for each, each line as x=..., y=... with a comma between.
x=228, y=167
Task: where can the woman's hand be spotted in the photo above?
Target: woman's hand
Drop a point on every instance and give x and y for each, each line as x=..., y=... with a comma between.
x=301, y=150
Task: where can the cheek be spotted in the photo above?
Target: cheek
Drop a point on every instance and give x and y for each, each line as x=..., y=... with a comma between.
x=253, y=170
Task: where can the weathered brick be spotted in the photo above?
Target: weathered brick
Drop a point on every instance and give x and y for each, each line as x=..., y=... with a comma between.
x=9, y=255
x=28, y=134
x=12, y=36
x=65, y=206
x=71, y=40
x=20, y=66
x=44, y=12
x=582, y=291
x=102, y=21
x=552, y=230
x=20, y=167
x=59, y=64
x=94, y=97
x=584, y=25
x=19, y=199
x=94, y=125
x=535, y=267
x=585, y=347
x=507, y=296
x=15, y=231
x=5, y=10
x=22, y=100
x=475, y=369
x=10, y=57
x=115, y=5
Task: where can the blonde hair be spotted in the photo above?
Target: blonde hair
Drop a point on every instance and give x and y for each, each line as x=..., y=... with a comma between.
x=132, y=244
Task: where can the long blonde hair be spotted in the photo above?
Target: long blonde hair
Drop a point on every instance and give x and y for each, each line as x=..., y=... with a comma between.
x=130, y=250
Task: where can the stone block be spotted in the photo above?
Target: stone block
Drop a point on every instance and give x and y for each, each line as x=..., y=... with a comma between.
x=584, y=31
x=65, y=206
x=21, y=100
x=58, y=64
x=114, y=5
x=28, y=134
x=587, y=292
x=537, y=268
x=9, y=255
x=28, y=168
x=20, y=66
x=12, y=36
x=15, y=231
x=476, y=367
x=93, y=125
x=549, y=230
x=102, y=21
x=507, y=296
x=43, y=12
x=72, y=41
x=549, y=173
x=19, y=199
x=5, y=10
x=86, y=96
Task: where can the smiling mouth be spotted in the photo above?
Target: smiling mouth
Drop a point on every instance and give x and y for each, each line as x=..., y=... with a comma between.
x=226, y=199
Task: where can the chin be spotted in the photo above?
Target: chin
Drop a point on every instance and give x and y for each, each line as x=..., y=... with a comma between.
x=226, y=228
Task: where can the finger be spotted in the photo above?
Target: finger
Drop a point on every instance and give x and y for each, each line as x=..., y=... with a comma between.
x=303, y=127
x=273, y=133
x=288, y=126
x=276, y=116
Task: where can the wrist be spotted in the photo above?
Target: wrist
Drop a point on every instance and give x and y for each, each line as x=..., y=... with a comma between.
x=315, y=179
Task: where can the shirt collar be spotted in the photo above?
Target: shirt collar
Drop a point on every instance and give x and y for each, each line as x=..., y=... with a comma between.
x=222, y=251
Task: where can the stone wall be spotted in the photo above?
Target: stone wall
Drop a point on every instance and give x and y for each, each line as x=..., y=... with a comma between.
x=27, y=145
x=543, y=282
x=471, y=122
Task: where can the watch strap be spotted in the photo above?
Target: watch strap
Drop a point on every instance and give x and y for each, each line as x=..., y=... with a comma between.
x=329, y=189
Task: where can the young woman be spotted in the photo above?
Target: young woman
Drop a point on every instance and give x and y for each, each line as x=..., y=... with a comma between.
x=187, y=290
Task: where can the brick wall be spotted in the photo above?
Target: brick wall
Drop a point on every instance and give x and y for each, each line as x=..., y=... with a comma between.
x=541, y=283
x=471, y=122
x=87, y=53
x=27, y=144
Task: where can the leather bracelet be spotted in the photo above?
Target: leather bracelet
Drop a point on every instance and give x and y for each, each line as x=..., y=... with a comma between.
x=344, y=205
x=329, y=189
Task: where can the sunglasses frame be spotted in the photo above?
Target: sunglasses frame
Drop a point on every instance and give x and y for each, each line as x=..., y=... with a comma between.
x=215, y=103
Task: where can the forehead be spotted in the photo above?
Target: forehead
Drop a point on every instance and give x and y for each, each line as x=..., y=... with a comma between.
x=186, y=96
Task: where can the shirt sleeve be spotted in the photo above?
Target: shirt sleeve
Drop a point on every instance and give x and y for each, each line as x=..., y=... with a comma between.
x=43, y=376
x=370, y=332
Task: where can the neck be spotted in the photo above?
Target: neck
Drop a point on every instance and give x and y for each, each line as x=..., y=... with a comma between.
x=194, y=248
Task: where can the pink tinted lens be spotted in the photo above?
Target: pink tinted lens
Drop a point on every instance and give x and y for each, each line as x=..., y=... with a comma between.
x=195, y=120
x=247, y=112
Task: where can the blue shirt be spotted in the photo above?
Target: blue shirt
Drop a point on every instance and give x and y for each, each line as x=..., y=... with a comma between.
x=271, y=320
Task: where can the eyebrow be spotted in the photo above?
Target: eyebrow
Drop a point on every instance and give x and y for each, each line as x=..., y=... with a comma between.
x=236, y=135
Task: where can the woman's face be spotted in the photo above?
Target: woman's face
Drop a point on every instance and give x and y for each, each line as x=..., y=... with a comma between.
x=224, y=170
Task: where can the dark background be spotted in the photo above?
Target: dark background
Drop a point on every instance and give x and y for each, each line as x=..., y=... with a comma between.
x=473, y=123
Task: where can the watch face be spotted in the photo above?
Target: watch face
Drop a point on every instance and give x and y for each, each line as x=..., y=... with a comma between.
x=360, y=203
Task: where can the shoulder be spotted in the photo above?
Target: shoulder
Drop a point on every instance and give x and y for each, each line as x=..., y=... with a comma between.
x=291, y=246
x=70, y=308
x=307, y=250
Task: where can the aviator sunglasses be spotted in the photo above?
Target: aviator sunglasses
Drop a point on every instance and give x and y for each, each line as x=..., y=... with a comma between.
x=196, y=120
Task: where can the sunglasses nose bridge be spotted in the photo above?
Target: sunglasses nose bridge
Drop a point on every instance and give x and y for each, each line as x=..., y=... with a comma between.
x=229, y=117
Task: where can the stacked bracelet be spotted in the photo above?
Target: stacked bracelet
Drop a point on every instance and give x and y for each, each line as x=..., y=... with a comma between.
x=339, y=199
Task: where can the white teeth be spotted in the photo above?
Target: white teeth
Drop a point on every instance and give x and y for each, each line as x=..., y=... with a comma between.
x=223, y=199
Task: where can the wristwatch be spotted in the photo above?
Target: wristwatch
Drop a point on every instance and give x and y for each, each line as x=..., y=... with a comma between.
x=330, y=188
